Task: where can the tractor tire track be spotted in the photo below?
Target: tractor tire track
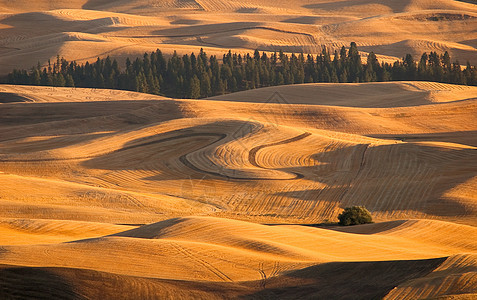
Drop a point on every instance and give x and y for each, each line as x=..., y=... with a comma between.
x=252, y=155
x=202, y=262
x=183, y=158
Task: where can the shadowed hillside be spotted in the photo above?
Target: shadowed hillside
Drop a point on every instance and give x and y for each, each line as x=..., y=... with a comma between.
x=115, y=194
x=127, y=195
x=289, y=162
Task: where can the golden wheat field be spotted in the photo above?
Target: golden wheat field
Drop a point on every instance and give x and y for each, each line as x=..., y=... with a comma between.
x=223, y=184
x=35, y=31
x=108, y=194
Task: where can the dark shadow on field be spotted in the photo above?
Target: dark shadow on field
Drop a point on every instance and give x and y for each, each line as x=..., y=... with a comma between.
x=469, y=1
x=392, y=177
x=385, y=95
x=185, y=22
x=317, y=20
x=51, y=144
x=197, y=34
x=49, y=33
x=96, y=4
x=401, y=176
x=175, y=146
x=247, y=10
x=34, y=113
x=396, y=177
x=12, y=98
x=56, y=24
x=206, y=29
x=21, y=120
x=372, y=228
x=303, y=20
x=72, y=283
x=34, y=283
x=344, y=280
x=337, y=280
x=459, y=137
x=206, y=35
x=339, y=5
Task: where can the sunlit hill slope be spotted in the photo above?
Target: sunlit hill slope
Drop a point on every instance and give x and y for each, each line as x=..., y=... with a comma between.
x=83, y=169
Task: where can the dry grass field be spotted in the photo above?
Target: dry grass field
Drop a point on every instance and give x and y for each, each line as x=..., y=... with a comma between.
x=108, y=194
x=122, y=194
x=35, y=31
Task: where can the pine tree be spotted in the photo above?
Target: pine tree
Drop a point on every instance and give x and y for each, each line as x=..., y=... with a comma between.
x=435, y=67
x=334, y=76
x=372, y=66
x=256, y=55
x=221, y=87
x=59, y=80
x=153, y=86
x=194, y=88
x=141, y=83
x=355, y=63
x=50, y=80
x=279, y=79
x=69, y=82
x=410, y=66
x=344, y=76
x=203, y=76
x=35, y=77
x=457, y=75
x=205, y=86
x=343, y=54
x=422, y=68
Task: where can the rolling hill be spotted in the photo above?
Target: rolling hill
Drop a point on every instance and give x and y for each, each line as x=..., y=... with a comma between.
x=109, y=194
x=138, y=195
x=32, y=32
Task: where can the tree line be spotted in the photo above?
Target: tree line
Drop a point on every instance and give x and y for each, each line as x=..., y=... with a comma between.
x=198, y=76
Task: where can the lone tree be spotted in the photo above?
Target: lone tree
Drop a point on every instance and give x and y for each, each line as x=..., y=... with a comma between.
x=355, y=215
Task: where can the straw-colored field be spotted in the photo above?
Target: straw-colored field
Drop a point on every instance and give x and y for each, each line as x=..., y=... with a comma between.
x=109, y=194
x=82, y=169
x=34, y=31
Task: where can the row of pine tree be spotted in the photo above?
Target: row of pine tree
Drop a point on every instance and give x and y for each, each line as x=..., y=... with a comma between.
x=198, y=76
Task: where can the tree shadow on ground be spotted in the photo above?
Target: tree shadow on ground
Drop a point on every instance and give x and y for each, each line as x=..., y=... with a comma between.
x=396, y=177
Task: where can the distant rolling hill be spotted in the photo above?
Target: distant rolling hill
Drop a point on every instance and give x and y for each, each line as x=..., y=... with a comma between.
x=32, y=32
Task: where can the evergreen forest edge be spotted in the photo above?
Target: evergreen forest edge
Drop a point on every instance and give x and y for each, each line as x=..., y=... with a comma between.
x=191, y=76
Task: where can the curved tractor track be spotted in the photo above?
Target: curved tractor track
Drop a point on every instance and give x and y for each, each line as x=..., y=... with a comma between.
x=186, y=161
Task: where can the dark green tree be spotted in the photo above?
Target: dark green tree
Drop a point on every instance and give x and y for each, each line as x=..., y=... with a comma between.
x=355, y=215
x=177, y=76
x=194, y=88
x=69, y=81
x=205, y=86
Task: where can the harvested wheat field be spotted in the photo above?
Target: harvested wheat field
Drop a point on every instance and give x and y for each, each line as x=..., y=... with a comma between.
x=113, y=194
x=35, y=31
x=108, y=194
